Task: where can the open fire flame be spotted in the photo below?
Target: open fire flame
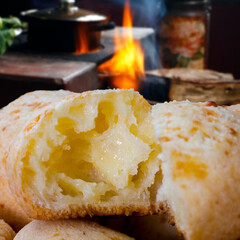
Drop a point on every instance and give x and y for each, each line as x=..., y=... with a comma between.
x=127, y=64
x=81, y=42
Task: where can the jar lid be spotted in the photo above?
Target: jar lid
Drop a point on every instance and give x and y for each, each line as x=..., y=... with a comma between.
x=191, y=1
x=188, y=4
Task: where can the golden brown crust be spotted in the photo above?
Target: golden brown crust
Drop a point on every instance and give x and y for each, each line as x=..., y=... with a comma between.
x=10, y=211
x=45, y=214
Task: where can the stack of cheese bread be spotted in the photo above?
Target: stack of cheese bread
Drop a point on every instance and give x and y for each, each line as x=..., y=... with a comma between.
x=108, y=152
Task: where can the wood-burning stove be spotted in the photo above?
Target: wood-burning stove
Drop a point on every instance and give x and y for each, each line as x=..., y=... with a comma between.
x=24, y=69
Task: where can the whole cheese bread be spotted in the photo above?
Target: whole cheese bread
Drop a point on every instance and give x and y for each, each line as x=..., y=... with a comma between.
x=68, y=229
x=235, y=108
x=69, y=154
x=6, y=232
x=200, y=162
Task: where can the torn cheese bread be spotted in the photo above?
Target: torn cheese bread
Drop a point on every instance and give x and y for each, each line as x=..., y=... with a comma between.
x=68, y=229
x=200, y=163
x=69, y=154
x=6, y=232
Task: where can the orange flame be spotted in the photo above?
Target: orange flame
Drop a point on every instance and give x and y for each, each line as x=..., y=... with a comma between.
x=127, y=64
x=81, y=41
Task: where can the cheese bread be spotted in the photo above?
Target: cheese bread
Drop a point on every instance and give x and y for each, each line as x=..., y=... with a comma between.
x=6, y=232
x=68, y=229
x=200, y=162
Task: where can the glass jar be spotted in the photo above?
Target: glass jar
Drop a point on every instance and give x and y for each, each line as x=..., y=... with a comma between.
x=184, y=34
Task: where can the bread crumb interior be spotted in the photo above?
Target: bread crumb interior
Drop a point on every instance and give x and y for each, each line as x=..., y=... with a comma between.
x=99, y=152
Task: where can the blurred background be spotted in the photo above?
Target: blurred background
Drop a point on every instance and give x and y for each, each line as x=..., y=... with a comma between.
x=224, y=48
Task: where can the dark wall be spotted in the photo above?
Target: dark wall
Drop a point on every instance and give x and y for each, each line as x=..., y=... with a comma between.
x=13, y=7
x=224, y=49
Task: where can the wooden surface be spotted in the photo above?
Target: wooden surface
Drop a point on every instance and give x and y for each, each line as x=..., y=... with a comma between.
x=201, y=85
x=223, y=93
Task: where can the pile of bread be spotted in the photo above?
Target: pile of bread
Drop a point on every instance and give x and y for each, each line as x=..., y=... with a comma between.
x=65, y=156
